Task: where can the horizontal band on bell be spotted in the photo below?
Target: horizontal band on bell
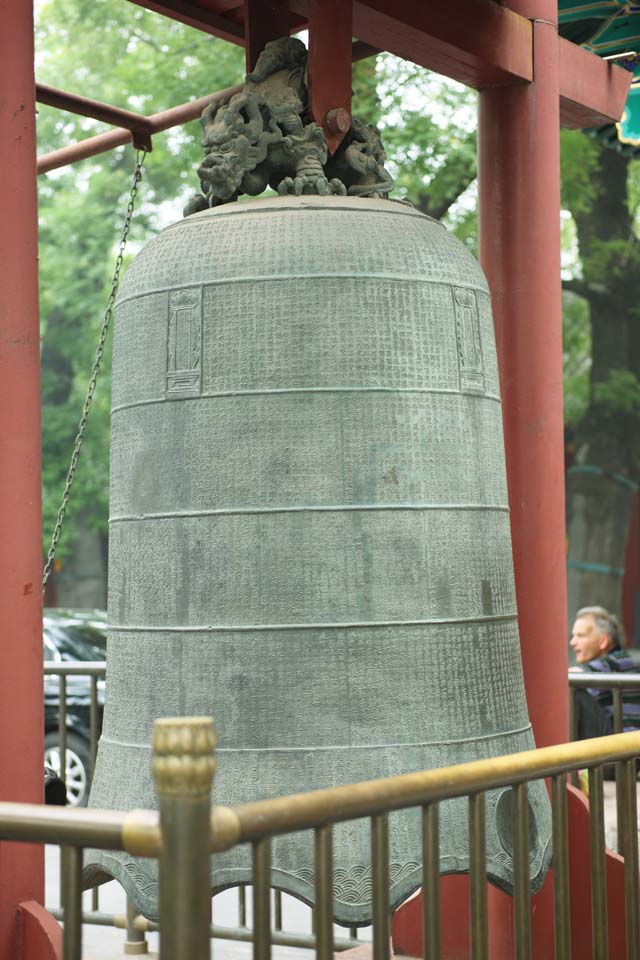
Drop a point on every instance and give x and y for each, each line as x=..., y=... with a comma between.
x=303, y=390
x=289, y=277
x=261, y=627
x=321, y=508
x=332, y=747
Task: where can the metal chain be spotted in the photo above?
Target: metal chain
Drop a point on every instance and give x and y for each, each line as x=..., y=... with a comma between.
x=137, y=177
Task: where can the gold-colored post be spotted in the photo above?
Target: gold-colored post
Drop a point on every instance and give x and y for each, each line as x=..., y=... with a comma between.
x=598, y=865
x=562, y=915
x=618, y=721
x=431, y=881
x=574, y=777
x=62, y=727
x=135, y=942
x=93, y=722
x=618, y=726
x=380, y=877
x=242, y=906
x=183, y=767
x=521, y=886
x=262, y=899
x=478, y=877
x=71, y=873
x=629, y=830
x=323, y=837
x=277, y=909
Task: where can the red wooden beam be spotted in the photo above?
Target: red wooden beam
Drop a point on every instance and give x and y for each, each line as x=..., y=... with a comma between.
x=330, y=53
x=477, y=42
x=199, y=16
x=264, y=20
x=592, y=91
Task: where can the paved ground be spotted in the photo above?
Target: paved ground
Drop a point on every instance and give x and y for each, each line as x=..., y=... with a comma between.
x=104, y=943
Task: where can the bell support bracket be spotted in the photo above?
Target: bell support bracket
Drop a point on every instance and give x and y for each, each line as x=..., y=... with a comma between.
x=264, y=136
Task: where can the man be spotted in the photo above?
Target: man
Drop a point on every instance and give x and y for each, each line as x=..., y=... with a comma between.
x=596, y=640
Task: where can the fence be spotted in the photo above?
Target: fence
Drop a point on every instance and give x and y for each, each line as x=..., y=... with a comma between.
x=617, y=683
x=183, y=769
x=570, y=763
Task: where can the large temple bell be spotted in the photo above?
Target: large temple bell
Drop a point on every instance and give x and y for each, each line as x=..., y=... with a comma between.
x=309, y=532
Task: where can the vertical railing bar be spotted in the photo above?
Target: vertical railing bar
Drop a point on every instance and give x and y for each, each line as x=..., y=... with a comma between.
x=521, y=886
x=618, y=721
x=242, y=906
x=629, y=830
x=618, y=727
x=278, y=910
x=598, y=865
x=95, y=899
x=183, y=765
x=93, y=723
x=62, y=727
x=478, y=877
x=323, y=842
x=561, y=901
x=574, y=776
x=135, y=937
x=262, y=899
x=62, y=751
x=71, y=858
x=380, y=878
x=431, y=880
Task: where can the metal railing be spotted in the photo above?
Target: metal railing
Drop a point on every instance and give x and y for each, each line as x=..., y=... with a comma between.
x=617, y=683
x=183, y=768
x=93, y=671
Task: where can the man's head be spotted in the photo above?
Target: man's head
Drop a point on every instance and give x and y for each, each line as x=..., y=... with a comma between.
x=594, y=633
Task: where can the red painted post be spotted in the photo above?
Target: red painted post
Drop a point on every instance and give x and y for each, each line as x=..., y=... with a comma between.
x=330, y=32
x=21, y=694
x=519, y=205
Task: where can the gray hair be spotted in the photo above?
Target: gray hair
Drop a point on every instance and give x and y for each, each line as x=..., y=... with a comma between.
x=605, y=622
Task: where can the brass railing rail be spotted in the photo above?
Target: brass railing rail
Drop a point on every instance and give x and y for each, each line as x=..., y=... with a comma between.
x=251, y=822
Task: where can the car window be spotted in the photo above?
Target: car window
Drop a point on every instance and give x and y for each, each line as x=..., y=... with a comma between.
x=77, y=642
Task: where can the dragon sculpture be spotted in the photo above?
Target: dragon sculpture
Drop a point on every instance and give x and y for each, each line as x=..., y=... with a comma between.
x=263, y=137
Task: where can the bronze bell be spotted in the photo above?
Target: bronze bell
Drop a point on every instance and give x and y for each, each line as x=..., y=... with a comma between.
x=309, y=532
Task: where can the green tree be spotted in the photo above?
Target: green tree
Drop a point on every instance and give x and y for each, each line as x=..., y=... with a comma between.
x=120, y=54
x=600, y=189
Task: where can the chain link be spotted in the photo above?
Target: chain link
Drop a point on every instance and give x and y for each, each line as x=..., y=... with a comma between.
x=77, y=445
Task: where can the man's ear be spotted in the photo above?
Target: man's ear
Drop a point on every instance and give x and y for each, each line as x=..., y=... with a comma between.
x=603, y=643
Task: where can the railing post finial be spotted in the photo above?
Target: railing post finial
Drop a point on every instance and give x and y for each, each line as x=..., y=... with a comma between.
x=183, y=769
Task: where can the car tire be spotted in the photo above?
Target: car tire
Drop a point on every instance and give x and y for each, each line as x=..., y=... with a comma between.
x=78, y=765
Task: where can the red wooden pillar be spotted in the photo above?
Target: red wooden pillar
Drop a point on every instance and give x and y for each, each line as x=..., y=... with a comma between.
x=519, y=205
x=21, y=694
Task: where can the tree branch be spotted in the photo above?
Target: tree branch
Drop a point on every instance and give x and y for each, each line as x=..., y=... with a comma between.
x=578, y=287
x=449, y=183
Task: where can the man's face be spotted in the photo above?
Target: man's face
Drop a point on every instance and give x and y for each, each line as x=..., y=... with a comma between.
x=586, y=641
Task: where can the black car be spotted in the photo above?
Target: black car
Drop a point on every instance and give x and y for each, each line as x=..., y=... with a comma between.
x=72, y=636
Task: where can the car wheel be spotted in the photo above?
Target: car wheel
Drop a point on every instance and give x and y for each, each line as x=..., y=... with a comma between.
x=78, y=764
